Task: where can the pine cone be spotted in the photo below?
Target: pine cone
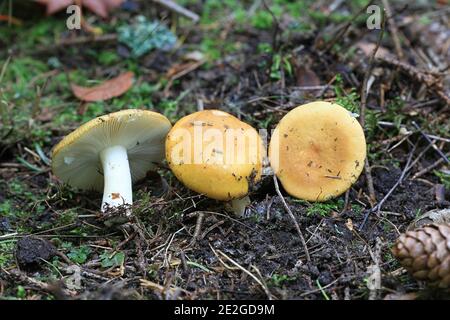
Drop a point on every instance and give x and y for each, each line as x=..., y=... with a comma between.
x=425, y=253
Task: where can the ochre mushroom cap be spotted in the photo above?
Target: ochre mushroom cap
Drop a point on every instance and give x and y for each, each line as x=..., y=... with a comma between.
x=317, y=151
x=214, y=153
x=76, y=158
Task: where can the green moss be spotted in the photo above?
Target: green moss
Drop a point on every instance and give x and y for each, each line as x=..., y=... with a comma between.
x=107, y=58
x=347, y=99
x=6, y=252
x=277, y=280
x=262, y=19
x=444, y=178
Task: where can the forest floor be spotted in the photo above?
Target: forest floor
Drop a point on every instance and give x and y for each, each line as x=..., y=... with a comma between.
x=256, y=60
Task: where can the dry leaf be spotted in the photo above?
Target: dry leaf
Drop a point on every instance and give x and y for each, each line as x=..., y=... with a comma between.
x=349, y=224
x=99, y=7
x=107, y=90
x=306, y=77
x=438, y=216
x=177, y=68
x=367, y=48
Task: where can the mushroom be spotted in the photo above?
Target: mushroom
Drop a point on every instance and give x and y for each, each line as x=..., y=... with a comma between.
x=111, y=151
x=216, y=154
x=317, y=151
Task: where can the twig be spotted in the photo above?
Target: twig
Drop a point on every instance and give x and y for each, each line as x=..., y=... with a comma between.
x=393, y=125
x=443, y=156
x=155, y=286
x=427, y=169
x=297, y=227
x=208, y=230
x=393, y=29
x=198, y=227
x=346, y=202
x=421, y=154
x=433, y=81
x=222, y=215
x=53, y=289
x=321, y=288
x=362, y=119
x=77, y=41
x=8, y=236
x=182, y=73
x=370, y=185
x=269, y=205
x=173, y=6
x=345, y=28
x=364, y=93
x=266, y=290
x=378, y=207
x=276, y=28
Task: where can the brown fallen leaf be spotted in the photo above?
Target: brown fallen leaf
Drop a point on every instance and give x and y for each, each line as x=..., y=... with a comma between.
x=99, y=7
x=107, y=90
x=367, y=48
x=306, y=77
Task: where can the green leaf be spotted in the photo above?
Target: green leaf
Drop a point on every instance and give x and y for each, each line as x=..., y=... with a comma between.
x=21, y=292
x=115, y=260
x=79, y=255
x=143, y=36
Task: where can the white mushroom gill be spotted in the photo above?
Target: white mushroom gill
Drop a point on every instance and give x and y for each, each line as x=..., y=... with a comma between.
x=117, y=178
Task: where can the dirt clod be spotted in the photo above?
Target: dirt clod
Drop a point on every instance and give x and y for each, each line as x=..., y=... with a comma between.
x=31, y=250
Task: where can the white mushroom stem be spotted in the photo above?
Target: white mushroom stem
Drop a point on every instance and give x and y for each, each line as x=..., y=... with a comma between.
x=239, y=205
x=117, y=178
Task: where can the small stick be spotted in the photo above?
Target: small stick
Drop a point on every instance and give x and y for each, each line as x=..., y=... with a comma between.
x=198, y=227
x=432, y=80
x=427, y=169
x=266, y=290
x=345, y=27
x=443, y=156
x=377, y=208
x=183, y=261
x=208, y=230
x=269, y=205
x=276, y=29
x=346, y=202
x=362, y=119
x=175, y=7
x=75, y=42
x=60, y=293
x=421, y=154
x=297, y=227
x=393, y=29
x=370, y=185
x=439, y=193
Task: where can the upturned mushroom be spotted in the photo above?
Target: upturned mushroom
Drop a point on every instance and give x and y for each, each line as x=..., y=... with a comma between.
x=215, y=154
x=317, y=151
x=110, y=152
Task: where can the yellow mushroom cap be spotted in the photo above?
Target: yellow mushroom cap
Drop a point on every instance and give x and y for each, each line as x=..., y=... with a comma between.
x=216, y=154
x=317, y=151
x=76, y=158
